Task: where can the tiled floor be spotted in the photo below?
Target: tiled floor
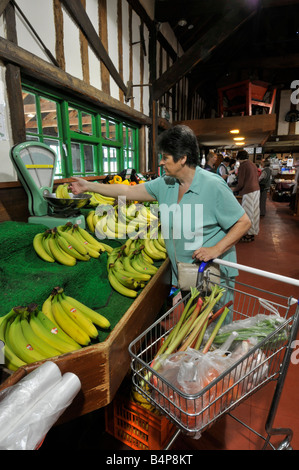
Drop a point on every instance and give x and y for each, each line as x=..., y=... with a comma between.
x=276, y=249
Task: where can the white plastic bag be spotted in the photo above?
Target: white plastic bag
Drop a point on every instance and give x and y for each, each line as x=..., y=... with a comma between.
x=50, y=400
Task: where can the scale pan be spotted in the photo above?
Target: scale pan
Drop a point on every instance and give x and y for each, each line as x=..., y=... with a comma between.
x=73, y=202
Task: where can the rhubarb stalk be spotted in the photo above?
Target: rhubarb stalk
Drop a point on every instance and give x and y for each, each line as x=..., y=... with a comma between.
x=215, y=331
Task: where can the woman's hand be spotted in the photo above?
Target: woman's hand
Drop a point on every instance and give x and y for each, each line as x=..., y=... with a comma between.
x=78, y=186
x=206, y=254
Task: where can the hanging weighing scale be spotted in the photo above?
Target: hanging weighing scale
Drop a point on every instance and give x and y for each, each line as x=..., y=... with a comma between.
x=35, y=165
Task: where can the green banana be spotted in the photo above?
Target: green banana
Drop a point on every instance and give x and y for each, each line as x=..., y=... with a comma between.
x=12, y=361
x=20, y=346
x=118, y=287
x=36, y=342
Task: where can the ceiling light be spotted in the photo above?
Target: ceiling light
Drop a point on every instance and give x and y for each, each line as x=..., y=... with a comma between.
x=240, y=143
x=239, y=138
x=182, y=22
x=234, y=131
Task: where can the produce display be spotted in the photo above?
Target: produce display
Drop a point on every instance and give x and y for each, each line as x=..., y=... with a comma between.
x=62, y=325
x=67, y=244
x=131, y=266
x=62, y=191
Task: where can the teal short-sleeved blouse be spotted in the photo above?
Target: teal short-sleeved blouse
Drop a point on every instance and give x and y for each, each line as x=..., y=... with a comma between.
x=204, y=215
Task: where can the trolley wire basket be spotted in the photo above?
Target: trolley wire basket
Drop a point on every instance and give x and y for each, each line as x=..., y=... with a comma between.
x=196, y=407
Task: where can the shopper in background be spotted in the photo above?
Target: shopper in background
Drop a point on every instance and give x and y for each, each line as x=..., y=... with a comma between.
x=223, y=168
x=248, y=187
x=265, y=183
x=183, y=190
x=211, y=160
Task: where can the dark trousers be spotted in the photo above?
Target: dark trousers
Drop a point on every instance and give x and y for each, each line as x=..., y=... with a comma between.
x=263, y=201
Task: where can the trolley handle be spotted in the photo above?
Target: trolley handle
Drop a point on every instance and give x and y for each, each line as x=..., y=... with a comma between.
x=258, y=272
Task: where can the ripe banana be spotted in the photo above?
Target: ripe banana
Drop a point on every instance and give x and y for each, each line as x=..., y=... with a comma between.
x=93, y=316
x=78, y=245
x=126, y=281
x=141, y=267
x=151, y=251
x=20, y=346
x=39, y=248
x=51, y=333
x=36, y=342
x=60, y=256
x=12, y=361
x=62, y=191
x=90, y=239
x=158, y=246
x=90, y=249
x=75, y=314
x=68, y=325
x=47, y=308
x=89, y=220
x=118, y=287
x=69, y=249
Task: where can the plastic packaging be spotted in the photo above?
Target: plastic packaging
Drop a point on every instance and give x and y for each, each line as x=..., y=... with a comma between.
x=50, y=401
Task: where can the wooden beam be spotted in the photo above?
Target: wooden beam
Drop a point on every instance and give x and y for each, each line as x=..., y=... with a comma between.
x=3, y=5
x=202, y=48
x=80, y=16
x=40, y=69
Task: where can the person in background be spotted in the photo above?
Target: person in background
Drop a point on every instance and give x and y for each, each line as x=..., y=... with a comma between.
x=210, y=163
x=223, y=168
x=259, y=170
x=295, y=187
x=265, y=183
x=249, y=188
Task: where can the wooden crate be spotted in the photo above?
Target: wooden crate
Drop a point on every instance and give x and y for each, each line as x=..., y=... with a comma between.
x=102, y=367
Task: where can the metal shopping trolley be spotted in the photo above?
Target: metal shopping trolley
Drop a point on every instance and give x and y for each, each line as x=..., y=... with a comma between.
x=263, y=361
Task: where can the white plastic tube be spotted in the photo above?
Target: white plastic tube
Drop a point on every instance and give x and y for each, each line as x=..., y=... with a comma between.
x=34, y=425
x=17, y=400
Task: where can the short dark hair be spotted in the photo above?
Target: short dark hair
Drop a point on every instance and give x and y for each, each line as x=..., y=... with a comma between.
x=179, y=141
x=242, y=155
x=226, y=159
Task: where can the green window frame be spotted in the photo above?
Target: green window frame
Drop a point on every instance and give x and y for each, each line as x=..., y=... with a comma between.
x=88, y=142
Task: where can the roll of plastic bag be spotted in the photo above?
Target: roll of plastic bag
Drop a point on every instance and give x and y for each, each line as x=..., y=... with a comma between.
x=34, y=425
x=17, y=400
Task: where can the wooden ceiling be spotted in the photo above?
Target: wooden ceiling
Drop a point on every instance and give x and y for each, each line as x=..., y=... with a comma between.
x=225, y=42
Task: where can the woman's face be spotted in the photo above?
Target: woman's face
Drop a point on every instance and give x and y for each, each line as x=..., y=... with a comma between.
x=171, y=167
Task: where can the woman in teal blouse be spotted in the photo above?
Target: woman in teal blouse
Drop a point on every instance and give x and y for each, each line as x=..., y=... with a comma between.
x=200, y=217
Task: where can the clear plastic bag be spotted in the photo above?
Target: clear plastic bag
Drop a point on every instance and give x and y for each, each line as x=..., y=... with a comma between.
x=29, y=408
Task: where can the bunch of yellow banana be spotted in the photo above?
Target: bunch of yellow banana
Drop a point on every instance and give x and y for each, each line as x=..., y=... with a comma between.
x=76, y=319
x=122, y=221
x=131, y=266
x=98, y=199
x=66, y=244
x=29, y=336
x=62, y=191
x=62, y=325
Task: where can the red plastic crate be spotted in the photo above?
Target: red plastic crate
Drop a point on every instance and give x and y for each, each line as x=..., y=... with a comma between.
x=136, y=426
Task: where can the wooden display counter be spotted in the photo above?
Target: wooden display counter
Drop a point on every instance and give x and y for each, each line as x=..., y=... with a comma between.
x=102, y=367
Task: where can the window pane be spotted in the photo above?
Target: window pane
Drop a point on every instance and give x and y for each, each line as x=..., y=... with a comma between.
x=112, y=131
x=73, y=119
x=113, y=160
x=103, y=128
x=88, y=158
x=87, y=123
x=30, y=112
x=49, y=117
x=76, y=158
x=105, y=160
x=54, y=145
x=130, y=138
